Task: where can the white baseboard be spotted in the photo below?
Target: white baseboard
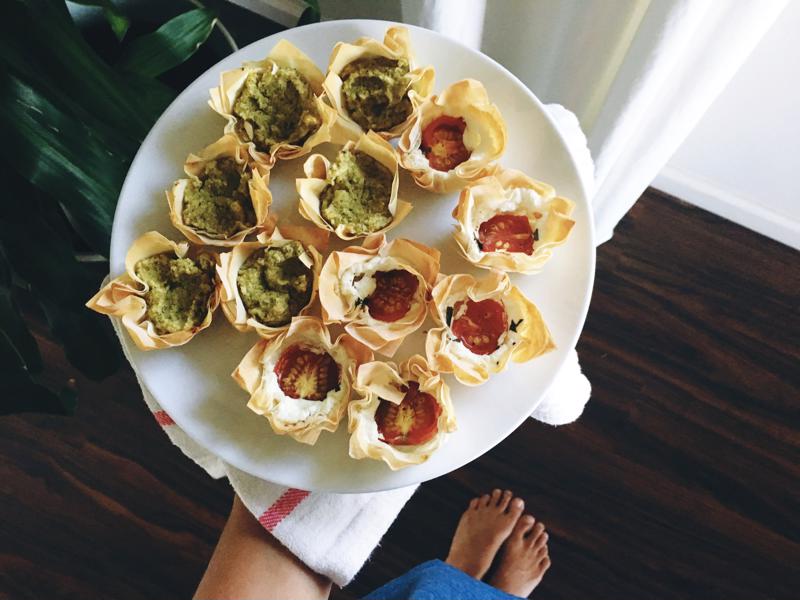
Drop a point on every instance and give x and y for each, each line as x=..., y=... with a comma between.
x=708, y=196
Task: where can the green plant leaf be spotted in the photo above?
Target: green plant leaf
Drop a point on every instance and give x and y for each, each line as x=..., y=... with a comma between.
x=311, y=14
x=61, y=285
x=116, y=19
x=13, y=325
x=119, y=22
x=40, y=42
x=21, y=393
x=88, y=339
x=170, y=45
x=82, y=162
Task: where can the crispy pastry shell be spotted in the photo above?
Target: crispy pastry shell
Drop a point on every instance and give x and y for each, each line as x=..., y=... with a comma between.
x=228, y=146
x=228, y=270
x=316, y=180
x=448, y=355
x=376, y=380
x=256, y=376
x=384, y=337
x=124, y=296
x=489, y=194
x=284, y=54
x=395, y=45
x=485, y=136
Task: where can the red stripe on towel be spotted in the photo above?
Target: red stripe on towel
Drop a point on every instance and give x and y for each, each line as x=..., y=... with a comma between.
x=281, y=508
x=163, y=418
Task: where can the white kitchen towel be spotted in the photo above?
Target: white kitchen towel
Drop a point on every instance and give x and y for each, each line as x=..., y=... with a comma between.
x=334, y=534
x=567, y=397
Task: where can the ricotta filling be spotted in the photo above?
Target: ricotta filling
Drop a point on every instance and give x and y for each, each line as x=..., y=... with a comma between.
x=299, y=411
x=517, y=201
x=357, y=283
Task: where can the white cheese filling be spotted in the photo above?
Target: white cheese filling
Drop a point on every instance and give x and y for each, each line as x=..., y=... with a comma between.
x=505, y=343
x=518, y=201
x=357, y=283
x=298, y=410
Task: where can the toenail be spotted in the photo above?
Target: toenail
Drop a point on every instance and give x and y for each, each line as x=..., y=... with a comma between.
x=518, y=503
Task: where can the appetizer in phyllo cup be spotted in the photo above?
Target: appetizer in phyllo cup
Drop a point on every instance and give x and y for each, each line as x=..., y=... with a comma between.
x=511, y=222
x=225, y=198
x=167, y=295
x=369, y=84
x=405, y=415
x=299, y=380
x=454, y=138
x=267, y=283
x=379, y=290
x=482, y=324
x=356, y=194
x=275, y=105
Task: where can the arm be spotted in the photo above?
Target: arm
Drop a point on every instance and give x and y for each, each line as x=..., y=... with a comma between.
x=249, y=562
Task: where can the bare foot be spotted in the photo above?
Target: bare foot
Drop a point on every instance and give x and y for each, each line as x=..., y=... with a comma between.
x=483, y=527
x=523, y=559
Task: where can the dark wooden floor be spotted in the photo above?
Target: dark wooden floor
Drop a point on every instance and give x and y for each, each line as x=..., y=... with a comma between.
x=682, y=479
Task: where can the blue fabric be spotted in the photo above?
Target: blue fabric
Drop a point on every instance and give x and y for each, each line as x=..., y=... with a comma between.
x=436, y=580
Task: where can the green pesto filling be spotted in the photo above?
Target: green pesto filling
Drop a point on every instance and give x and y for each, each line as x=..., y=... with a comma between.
x=358, y=192
x=274, y=284
x=218, y=202
x=375, y=92
x=179, y=290
x=276, y=107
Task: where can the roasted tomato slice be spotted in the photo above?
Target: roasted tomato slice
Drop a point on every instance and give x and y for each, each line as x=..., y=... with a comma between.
x=443, y=143
x=511, y=233
x=479, y=325
x=303, y=373
x=394, y=292
x=413, y=421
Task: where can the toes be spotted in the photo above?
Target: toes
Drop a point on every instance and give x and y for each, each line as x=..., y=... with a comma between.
x=496, y=494
x=537, y=538
x=483, y=500
x=504, y=500
x=523, y=525
x=473, y=504
x=515, y=507
x=544, y=564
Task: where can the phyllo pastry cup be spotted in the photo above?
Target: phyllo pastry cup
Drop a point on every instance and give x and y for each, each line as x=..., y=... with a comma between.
x=482, y=324
x=226, y=197
x=167, y=294
x=370, y=83
x=379, y=290
x=511, y=222
x=356, y=194
x=299, y=380
x=275, y=105
x=454, y=138
x=267, y=283
x=405, y=415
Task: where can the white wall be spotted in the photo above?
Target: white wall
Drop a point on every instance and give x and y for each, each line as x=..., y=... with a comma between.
x=742, y=161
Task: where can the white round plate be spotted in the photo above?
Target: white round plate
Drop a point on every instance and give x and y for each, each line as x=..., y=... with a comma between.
x=193, y=384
